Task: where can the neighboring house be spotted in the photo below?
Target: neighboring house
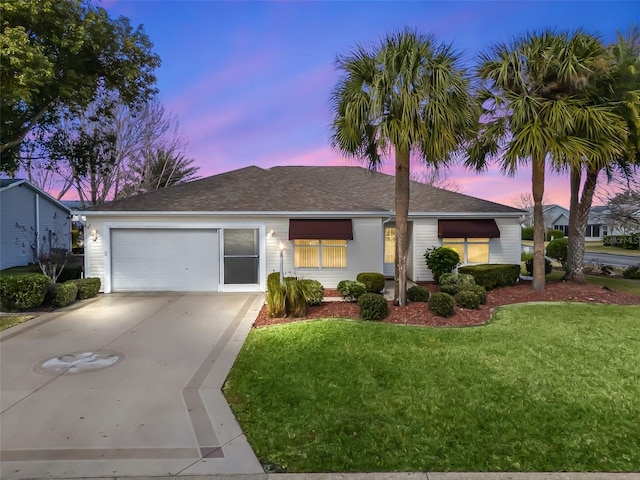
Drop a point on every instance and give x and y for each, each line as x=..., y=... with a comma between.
x=598, y=224
x=28, y=215
x=229, y=231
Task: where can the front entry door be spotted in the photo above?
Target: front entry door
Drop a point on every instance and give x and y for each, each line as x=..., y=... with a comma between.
x=389, y=250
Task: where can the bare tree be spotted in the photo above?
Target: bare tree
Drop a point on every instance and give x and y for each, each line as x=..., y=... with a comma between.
x=436, y=177
x=104, y=152
x=524, y=201
x=622, y=198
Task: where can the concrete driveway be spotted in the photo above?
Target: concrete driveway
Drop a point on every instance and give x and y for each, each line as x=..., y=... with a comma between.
x=125, y=385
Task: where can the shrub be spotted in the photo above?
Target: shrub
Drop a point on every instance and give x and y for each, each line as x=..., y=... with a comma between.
x=373, y=306
x=351, y=290
x=452, y=283
x=441, y=260
x=524, y=256
x=628, y=242
x=493, y=275
x=467, y=299
x=373, y=282
x=20, y=292
x=527, y=233
x=70, y=272
x=314, y=291
x=547, y=266
x=276, y=297
x=296, y=301
x=417, y=294
x=557, y=250
x=554, y=234
x=87, y=287
x=441, y=304
x=632, y=272
x=480, y=291
x=63, y=294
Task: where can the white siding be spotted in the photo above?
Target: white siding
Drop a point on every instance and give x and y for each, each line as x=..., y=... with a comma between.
x=505, y=249
x=425, y=235
x=364, y=253
x=410, y=253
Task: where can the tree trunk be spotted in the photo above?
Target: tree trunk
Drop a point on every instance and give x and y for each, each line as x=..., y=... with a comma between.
x=402, y=212
x=578, y=219
x=537, y=183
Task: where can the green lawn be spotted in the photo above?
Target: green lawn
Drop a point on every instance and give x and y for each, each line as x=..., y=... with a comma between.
x=597, y=247
x=541, y=388
x=9, y=321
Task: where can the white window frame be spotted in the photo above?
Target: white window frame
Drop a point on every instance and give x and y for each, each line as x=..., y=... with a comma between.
x=465, y=244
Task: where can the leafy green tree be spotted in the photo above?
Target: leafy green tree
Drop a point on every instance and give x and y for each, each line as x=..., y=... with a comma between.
x=534, y=111
x=617, y=89
x=406, y=94
x=56, y=55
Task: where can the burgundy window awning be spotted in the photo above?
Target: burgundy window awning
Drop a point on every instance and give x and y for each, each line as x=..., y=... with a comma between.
x=472, y=228
x=313, y=229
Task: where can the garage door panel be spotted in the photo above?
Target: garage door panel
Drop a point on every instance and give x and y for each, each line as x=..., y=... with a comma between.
x=164, y=260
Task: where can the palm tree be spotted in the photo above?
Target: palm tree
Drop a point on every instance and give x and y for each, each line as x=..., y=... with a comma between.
x=533, y=112
x=619, y=90
x=406, y=94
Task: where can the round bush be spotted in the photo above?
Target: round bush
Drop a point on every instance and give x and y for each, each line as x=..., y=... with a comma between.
x=547, y=266
x=441, y=260
x=63, y=294
x=452, y=283
x=87, y=287
x=557, y=249
x=351, y=290
x=373, y=306
x=480, y=291
x=417, y=294
x=373, y=281
x=467, y=299
x=441, y=304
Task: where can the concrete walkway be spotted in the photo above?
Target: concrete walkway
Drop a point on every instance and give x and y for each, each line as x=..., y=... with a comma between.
x=156, y=409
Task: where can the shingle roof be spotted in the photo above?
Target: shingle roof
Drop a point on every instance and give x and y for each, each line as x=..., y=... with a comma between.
x=300, y=189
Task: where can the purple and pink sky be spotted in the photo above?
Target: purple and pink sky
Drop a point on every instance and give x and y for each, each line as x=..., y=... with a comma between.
x=250, y=81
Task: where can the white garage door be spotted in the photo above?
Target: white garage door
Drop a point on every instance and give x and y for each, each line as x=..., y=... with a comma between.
x=164, y=260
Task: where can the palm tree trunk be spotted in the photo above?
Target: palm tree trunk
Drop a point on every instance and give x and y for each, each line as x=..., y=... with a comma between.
x=578, y=219
x=537, y=182
x=402, y=212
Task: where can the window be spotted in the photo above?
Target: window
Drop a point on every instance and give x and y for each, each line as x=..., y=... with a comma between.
x=471, y=250
x=592, y=231
x=389, y=244
x=241, y=258
x=320, y=253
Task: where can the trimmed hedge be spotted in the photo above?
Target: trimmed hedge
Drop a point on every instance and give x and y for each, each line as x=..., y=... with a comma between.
x=493, y=275
x=417, y=294
x=441, y=304
x=527, y=233
x=553, y=234
x=373, y=307
x=351, y=290
x=452, y=283
x=632, y=272
x=87, y=287
x=467, y=299
x=373, y=281
x=21, y=292
x=480, y=291
x=628, y=242
x=63, y=294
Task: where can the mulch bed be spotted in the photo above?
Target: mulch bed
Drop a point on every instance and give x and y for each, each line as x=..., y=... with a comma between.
x=418, y=313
